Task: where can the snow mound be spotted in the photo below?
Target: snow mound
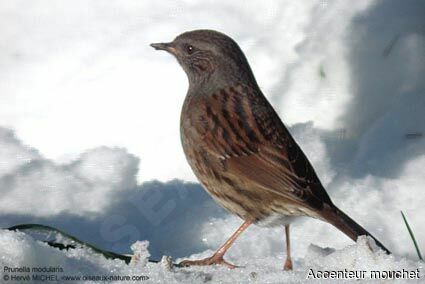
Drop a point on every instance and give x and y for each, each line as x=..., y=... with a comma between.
x=28, y=179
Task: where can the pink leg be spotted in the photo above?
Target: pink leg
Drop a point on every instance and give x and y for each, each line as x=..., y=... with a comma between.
x=217, y=258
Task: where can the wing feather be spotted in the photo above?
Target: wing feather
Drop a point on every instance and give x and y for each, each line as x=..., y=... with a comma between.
x=255, y=145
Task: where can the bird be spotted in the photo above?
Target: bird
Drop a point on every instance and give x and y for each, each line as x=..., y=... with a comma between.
x=240, y=150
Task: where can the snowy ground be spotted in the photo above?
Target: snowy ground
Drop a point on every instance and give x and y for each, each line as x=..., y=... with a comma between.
x=80, y=87
x=21, y=251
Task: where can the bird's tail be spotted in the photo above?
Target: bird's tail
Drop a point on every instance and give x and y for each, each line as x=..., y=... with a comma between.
x=348, y=226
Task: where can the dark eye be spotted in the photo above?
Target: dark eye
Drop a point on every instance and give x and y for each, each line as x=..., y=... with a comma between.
x=189, y=49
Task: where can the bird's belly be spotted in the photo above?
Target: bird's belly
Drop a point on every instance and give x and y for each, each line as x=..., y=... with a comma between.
x=239, y=201
x=265, y=210
x=263, y=207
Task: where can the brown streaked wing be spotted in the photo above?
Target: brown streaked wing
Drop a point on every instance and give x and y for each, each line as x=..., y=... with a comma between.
x=255, y=145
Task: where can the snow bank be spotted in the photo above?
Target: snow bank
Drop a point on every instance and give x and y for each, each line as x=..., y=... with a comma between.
x=31, y=184
x=21, y=251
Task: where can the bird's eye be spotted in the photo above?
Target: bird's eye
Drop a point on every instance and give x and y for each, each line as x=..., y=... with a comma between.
x=189, y=49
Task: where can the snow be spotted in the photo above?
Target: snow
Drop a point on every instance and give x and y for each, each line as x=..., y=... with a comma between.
x=20, y=250
x=140, y=255
x=82, y=74
x=29, y=179
x=80, y=89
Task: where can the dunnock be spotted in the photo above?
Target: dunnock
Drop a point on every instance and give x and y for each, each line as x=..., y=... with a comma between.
x=238, y=147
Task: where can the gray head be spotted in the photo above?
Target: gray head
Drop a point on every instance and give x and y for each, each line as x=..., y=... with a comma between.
x=210, y=59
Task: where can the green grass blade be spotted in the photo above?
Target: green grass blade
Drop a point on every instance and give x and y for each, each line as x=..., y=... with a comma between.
x=412, y=236
x=322, y=72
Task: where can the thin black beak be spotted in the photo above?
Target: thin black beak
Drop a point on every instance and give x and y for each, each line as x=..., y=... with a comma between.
x=167, y=46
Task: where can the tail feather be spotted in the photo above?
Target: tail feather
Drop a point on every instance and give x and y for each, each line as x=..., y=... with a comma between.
x=348, y=226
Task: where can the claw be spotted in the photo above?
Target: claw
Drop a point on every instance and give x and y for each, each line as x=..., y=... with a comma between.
x=217, y=258
x=288, y=265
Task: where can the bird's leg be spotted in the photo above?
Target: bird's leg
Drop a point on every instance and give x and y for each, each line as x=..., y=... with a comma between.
x=217, y=257
x=288, y=262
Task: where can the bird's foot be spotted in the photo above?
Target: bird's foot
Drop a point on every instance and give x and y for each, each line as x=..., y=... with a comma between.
x=288, y=264
x=207, y=261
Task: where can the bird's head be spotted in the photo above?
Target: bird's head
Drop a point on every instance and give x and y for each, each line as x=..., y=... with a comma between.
x=210, y=59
